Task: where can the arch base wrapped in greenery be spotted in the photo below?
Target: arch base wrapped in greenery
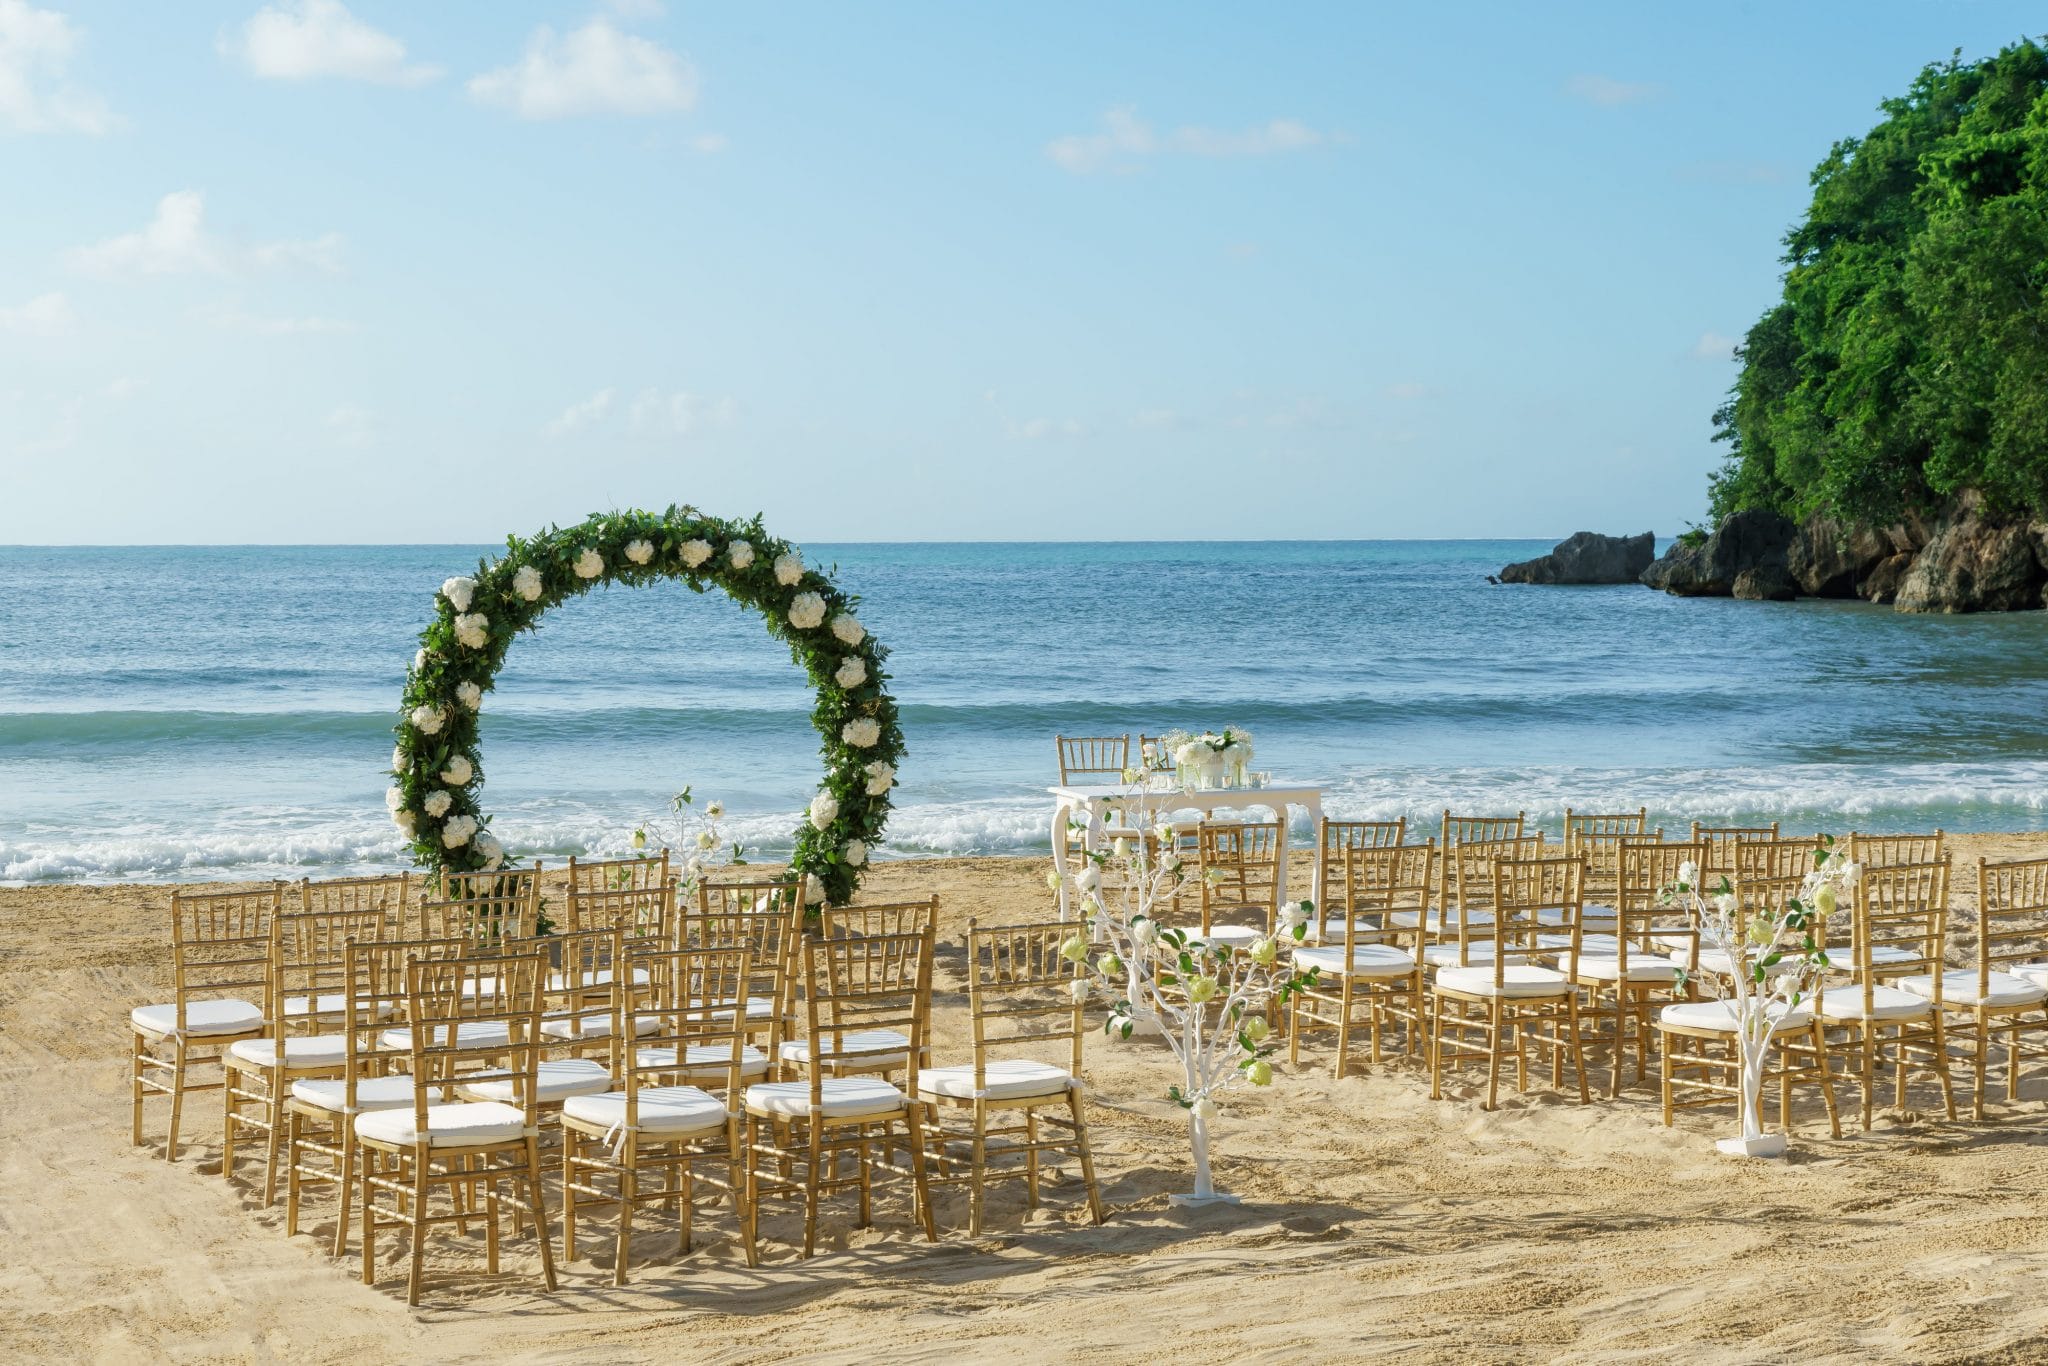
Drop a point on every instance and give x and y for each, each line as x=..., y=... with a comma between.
x=438, y=763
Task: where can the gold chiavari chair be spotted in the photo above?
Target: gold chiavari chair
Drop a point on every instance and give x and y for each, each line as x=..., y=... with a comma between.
x=320, y=1139
x=1903, y=909
x=1021, y=1004
x=2006, y=992
x=1775, y=858
x=880, y=1052
x=1721, y=841
x=220, y=958
x=484, y=908
x=1462, y=933
x=1367, y=968
x=1101, y=758
x=1333, y=838
x=1886, y=851
x=643, y=913
x=853, y=986
x=652, y=1126
x=1583, y=825
x=1699, y=1065
x=894, y=917
x=1514, y=1000
x=766, y=918
x=1457, y=830
x=308, y=963
x=462, y=1147
x=390, y=893
x=638, y=873
x=1239, y=875
x=1598, y=839
x=1626, y=973
x=576, y=999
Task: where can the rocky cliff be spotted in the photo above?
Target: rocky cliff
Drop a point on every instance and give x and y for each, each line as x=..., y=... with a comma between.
x=1588, y=557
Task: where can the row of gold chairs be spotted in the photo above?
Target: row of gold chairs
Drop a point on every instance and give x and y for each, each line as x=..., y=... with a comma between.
x=413, y=1054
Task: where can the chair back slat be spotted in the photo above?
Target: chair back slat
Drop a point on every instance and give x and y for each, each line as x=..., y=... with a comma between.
x=1775, y=858
x=1900, y=924
x=857, y=984
x=639, y=873
x=1018, y=982
x=1644, y=923
x=1586, y=825
x=484, y=908
x=683, y=1009
x=1085, y=757
x=2012, y=916
x=221, y=946
x=1333, y=838
x=1721, y=842
x=891, y=917
x=377, y=998
x=1884, y=851
x=1388, y=881
x=309, y=960
x=474, y=1014
x=1238, y=866
x=391, y=894
x=637, y=912
x=1534, y=900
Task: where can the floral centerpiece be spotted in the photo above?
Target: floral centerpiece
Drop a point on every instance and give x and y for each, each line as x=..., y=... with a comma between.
x=1774, y=955
x=1207, y=1003
x=1213, y=758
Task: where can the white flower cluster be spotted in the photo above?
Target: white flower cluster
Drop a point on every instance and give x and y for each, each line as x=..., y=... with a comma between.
x=589, y=564
x=459, y=592
x=473, y=629
x=469, y=695
x=437, y=803
x=741, y=554
x=789, y=568
x=881, y=777
x=695, y=553
x=459, y=771
x=458, y=831
x=863, y=732
x=807, y=611
x=855, y=855
x=639, y=552
x=848, y=631
x=428, y=719
x=852, y=672
x=526, y=583
x=824, y=810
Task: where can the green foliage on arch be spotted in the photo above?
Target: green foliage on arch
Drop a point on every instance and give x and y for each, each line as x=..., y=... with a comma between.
x=438, y=763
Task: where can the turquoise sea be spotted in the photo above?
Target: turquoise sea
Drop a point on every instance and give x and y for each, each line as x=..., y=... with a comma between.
x=226, y=712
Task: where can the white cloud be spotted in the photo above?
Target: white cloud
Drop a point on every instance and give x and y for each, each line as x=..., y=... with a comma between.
x=595, y=69
x=230, y=318
x=1125, y=139
x=36, y=47
x=176, y=242
x=588, y=413
x=1608, y=92
x=1713, y=346
x=46, y=315
x=678, y=413
x=302, y=40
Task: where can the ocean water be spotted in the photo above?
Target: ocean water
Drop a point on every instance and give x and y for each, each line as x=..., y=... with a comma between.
x=183, y=713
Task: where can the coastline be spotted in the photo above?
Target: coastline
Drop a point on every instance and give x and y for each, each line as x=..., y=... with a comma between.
x=1375, y=1219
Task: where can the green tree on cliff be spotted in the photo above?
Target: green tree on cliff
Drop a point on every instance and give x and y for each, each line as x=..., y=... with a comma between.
x=1909, y=356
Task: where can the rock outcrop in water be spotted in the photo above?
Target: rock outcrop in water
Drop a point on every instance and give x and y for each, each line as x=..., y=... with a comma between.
x=1588, y=557
x=1968, y=560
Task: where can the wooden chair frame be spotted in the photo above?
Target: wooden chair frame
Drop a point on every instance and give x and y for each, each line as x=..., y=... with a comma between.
x=1382, y=880
x=1646, y=937
x=1721, y=841
x=487, y=909
x=765, y=917
x=1333, y=838
x=2012, y=914
x=1238, y=868
x=1903, y=908
x=646, y=914
x=1093, y=756
x=1887, y=851
x=389, y=892
x=1465, y=920
x=1018, y=983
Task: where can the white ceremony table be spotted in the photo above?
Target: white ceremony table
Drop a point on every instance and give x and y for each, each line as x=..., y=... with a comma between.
x=1146, y=808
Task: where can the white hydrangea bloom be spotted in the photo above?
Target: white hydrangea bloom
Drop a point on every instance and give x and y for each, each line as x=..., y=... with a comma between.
x=469, y=695
x=457, y=832
x=428, y=719
x=789, y=567
x=852, y=672
x=394, y=799
x=855, y=854
x=695, y=553
x=862, y=732
x=639, y=552
x=459, y=591
x=473, y=629
x=589, y=565
x=419, y=661
x=437, y=803
x=881, y=777
x=807, y=611
x=849, y=631
x=741, y=554
x=492, y=851
x=398, y=763
x=459, y=771
x=824, y=810
x=814, y=891
x=526, y=583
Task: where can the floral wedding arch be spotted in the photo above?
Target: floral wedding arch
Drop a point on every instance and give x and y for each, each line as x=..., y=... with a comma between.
x=438, y=764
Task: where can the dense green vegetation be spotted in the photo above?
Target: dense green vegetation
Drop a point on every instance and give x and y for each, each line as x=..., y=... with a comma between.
x=1909, y=356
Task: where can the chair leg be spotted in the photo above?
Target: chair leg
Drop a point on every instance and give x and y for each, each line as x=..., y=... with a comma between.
x=1493, y=1042
x=291, y=1175
x=629, y=1189
x=1983, y=1058
x=913, y=1122
x=416, y=1275
x=1031, y=1158
x=570, y=1138
x=227, y=1120
x=178, y=1061
x=1948, y=1090
x=345, y=1136
x=1664, y=1077
x=275, y=1104
x=812, y=1175
x=135, y=1057
x=1827, y=1082
x=742, y=1192
x=368, y=1160
x=1087, y=1157
x=979, y=1171
x=540, y=1212
x=1578, y=1045
x=1436, y=1049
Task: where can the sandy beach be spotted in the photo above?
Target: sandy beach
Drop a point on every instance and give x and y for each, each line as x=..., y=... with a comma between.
x=1375, y=1221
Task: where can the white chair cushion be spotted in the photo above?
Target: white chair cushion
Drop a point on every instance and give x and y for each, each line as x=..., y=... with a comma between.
x=1959, y=988
x=1008, y=1079
x=1886, y=1003
x=328, y=1005
x=1367, y=960
x=758, y=1008
x=1643, y=967
x=560, y=981
x=2037, y=973
x=1590, y=945
x=1446, y=955
x=706, y=1061
x=1590, y=916
x=1719, y=1016
x=311, y=1050
x=840, y=1098
x=1441, y=923
x=876, y=1048
x=225, y=1016
x=463, y=1125
x=667, y=1110
x=372, y=1093
x=1519, y=979
x=596, y=1025
x=1228, y=938
x=475, y=1034
x=554, y=1080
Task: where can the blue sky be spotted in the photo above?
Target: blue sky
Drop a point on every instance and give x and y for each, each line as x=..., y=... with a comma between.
x=386, y=272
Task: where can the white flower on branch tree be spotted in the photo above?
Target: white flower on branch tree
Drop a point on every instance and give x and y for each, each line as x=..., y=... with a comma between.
x=1207, y=1003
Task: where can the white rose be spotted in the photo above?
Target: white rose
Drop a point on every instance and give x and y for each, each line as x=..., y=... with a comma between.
x=473, y=629
x=849, y=631
x=458, y=772
x=1189, y=753
x=1725, y=903
x=741, y=554
x=1204, y=1110
x=852, y=672
x=881, y=777
x=695, y=553
x=394, y=799
x=1293, y=914
x=492, y=851
x=862, y=732
x=806, y=611
x=824, y=810
x=1170, y=861
x=437, y=803
x=1089, y=878
x=459, y=591
x=1145, y=933
x=714, y=811
x=789, y=567
x=693, y=869
x=855, y=855
x=398, y=764
x=589, y=565
x=526, y=583
x=427, y=719
x=456, y=832
x=639, y=552
x=469, y=695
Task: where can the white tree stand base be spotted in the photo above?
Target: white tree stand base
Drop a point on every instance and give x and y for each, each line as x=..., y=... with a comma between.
x=1763, y=1145
x=1201, y=1201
